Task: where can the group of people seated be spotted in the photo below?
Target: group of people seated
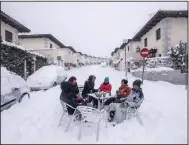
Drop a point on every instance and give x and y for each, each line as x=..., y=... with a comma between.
x=125, y=96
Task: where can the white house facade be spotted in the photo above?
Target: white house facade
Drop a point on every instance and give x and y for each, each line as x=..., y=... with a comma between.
x=163, y=31
x=10, y=28
x=69, y=55
x=82, y=59
x=45, y=44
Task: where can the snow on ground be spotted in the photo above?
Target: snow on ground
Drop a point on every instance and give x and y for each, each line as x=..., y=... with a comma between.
x=164, y=114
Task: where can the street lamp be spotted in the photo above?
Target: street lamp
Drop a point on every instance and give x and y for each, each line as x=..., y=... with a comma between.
x=125, y=41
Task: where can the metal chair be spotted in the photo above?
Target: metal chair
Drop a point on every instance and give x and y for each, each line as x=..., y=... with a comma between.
x=132, y=112
x=90, y=115
x=65, y=112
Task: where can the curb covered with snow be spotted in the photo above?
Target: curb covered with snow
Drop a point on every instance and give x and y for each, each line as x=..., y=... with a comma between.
x=161, y=74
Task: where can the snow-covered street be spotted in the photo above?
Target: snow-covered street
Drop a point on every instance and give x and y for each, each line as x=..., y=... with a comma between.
x=35, y=120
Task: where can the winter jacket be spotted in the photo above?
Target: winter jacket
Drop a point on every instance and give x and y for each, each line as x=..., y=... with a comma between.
x=69, y=91
x=135, y=99
x=105, y=87
x=88, y=87
x=69, y=94
x=124, y=90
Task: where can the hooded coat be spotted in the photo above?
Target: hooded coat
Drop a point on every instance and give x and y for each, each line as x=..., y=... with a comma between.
x=135, y=99
x=69, y=93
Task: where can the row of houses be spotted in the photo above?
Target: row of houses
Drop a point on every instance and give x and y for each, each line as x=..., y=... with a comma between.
x=45, y=44
x=162, y=31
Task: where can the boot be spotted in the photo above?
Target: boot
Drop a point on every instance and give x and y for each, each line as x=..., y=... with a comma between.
x=112, y=114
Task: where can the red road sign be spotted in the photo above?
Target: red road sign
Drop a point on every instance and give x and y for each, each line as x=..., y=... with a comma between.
x=144, y=52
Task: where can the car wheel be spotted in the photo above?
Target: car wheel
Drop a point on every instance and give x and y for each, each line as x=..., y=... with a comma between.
x=23, y=96
x=54, y=84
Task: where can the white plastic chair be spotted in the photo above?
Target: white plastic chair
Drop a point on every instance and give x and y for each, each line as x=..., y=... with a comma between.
x=90, y=115
x=132, y=112
x=65, y=112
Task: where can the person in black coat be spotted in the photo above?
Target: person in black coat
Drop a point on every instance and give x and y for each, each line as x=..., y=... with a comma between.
x=70, y=95
x=89, y=87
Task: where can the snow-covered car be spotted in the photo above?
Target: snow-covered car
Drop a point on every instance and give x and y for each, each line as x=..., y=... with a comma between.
x=46, y=77
x=13, y=88
x=103, y=64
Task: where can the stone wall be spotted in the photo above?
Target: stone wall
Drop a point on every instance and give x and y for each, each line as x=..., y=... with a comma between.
x=172, y=76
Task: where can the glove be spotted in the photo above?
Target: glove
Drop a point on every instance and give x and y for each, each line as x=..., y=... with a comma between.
x=123, y=99
x=79, y=98
x=123, y=105
x=91, y=91
x=87, y=100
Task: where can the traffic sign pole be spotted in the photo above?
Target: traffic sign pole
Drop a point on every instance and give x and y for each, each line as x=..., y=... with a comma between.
x=144, y=53
x=143, y=69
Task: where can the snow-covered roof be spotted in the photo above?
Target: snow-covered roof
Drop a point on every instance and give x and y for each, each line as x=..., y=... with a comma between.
x=12, y=22
x=161, y=14
x=20, y=47
x=49, y=36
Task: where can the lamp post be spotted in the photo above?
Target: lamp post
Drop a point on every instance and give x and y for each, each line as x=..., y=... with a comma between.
x=125, y=41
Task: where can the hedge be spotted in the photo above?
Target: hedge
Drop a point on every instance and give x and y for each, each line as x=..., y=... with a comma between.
x=13, y=57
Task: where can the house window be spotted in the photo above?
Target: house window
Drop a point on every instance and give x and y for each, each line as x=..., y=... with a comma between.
x=145, y=42
x=59, y=58
x=128, y=48
x=158, y=34
x=50, y=45
x=8, y=36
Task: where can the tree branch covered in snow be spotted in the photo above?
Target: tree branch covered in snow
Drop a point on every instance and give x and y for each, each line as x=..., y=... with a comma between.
x=179, y=55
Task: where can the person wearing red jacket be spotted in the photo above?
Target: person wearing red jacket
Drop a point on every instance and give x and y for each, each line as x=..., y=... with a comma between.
x=105, y=87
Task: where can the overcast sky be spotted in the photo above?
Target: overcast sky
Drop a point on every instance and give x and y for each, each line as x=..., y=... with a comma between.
x=92, y=28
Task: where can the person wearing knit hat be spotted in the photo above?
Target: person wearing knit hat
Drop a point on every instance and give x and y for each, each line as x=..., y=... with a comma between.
x=123, y=91
x=133, y=101
x=106, y=79
x=104, y=88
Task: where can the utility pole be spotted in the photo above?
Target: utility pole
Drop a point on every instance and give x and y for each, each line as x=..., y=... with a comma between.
x=125, y=62
x=125, y=41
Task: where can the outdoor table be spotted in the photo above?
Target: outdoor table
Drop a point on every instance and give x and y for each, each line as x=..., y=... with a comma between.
x=100, y=98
